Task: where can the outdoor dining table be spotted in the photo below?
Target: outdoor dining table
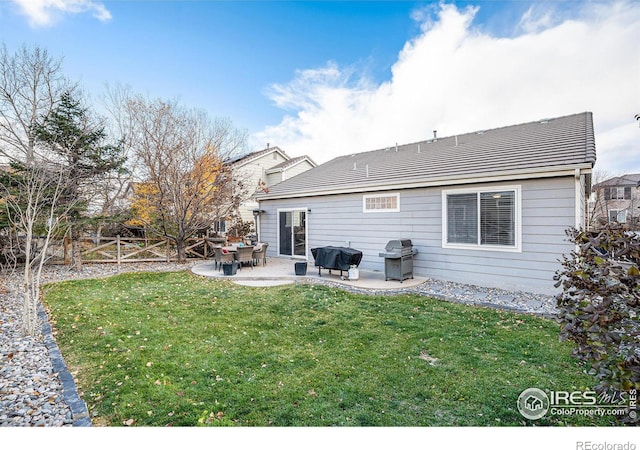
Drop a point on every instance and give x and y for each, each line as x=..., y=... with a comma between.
x=235, y=249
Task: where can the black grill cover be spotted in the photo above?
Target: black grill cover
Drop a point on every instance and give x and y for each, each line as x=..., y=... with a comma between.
x=339, y=258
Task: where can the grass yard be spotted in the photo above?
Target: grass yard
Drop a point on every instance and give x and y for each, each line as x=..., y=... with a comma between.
x=158, y=349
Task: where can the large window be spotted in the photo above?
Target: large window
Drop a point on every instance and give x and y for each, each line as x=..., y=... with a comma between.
x=482, y=218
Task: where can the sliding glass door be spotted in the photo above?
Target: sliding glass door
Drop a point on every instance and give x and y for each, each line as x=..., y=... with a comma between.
x=292, y=231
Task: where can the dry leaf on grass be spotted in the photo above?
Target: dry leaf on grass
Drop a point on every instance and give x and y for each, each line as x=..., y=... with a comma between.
x=426, y=357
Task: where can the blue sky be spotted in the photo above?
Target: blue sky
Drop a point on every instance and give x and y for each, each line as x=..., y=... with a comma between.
x=217, y=55
x=331, y=78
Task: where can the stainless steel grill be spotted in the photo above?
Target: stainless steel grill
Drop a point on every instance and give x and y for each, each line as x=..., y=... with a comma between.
x=398, y=259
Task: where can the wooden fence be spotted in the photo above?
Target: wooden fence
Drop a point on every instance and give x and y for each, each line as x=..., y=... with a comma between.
x=125, y=249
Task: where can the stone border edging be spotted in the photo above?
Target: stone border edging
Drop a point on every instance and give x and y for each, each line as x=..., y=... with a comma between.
x=79, y=410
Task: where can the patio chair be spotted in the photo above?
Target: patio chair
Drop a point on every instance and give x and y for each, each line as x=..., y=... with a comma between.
x=245, y=255
x=221, y=257
x=259, y=253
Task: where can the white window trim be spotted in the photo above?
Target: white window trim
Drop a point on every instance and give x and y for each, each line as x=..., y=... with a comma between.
x=374, y=211
x=517, y=248
x=618, y=211
x=619, y=190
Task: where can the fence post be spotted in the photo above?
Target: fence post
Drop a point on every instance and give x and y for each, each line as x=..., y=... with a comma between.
x=67, y=251
x=118, y=253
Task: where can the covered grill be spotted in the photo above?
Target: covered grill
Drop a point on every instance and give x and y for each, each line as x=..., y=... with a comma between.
x=398, y=259
x=338, y=258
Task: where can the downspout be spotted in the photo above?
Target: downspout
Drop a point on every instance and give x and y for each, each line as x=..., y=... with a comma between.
x=579, y=200
x=256, y=217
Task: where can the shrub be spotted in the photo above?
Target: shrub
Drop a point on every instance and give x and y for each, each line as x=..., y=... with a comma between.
x=599, y=305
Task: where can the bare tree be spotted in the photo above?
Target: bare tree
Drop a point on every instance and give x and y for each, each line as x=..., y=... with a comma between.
x=33, y=202
x=112, y=197
x=182, y=174
x=31, y=82
x=597, y=203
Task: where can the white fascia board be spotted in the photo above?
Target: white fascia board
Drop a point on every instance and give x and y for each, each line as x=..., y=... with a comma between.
x=558, y=171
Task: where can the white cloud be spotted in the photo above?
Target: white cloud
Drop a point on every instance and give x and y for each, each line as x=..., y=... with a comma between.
x=46, y=12
x=454, y=78
x=536, y=19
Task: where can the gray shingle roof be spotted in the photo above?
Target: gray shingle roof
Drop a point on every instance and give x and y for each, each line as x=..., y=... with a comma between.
x=547, y=145
x=632, y=179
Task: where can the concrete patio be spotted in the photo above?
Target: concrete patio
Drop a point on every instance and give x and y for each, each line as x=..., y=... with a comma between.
x=280, y=270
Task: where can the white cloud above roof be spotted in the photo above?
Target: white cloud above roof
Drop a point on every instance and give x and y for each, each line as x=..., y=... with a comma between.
x=47, y=12
x=456, y=78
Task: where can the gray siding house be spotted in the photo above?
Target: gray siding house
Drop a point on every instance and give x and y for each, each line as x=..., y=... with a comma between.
x=488, y=208
x=616, y=200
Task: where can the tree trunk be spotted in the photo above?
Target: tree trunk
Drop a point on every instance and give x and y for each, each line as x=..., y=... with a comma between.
x=182, y=256
x=76, y=250
x=30, y=303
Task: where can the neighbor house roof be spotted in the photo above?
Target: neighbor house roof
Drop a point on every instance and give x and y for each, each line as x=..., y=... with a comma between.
x=246, y=159
x=545, y=148
x=290, y=163
x=632, y=179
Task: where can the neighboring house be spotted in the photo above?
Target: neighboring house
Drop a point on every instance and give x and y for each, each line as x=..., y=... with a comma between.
x=260, y=170
x=616, y=200
x=287, y=169
x=487, y=208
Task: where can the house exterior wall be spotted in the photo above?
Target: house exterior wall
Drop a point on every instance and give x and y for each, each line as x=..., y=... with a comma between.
x=297, y=169
x=273, y=178
x=548, y=208
x=254, y=171
x=251, y=173
x=289, y=172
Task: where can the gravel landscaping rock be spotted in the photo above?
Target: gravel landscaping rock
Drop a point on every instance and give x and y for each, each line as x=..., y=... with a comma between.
x=524, y=302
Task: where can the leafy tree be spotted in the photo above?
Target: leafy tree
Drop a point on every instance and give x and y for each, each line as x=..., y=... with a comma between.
x=600, y=304
x=72, y=137
x=184, y=182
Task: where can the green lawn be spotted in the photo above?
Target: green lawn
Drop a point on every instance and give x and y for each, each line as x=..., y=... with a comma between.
x=175, y=349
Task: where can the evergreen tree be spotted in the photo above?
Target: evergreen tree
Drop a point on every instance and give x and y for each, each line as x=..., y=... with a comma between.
x=73, y=138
